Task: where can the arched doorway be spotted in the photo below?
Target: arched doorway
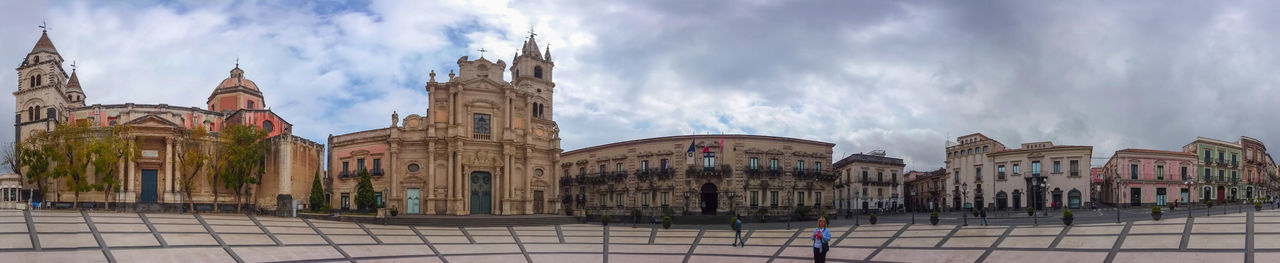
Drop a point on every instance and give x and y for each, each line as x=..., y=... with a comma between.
x=1002, y=200
x=481, y=193
x=709, y=201
x=1207, y=193
x=1073, y=199
x=1017, y=199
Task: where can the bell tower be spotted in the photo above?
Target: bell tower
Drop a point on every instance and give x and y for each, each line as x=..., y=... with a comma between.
x=531, y=71
x=41, y=98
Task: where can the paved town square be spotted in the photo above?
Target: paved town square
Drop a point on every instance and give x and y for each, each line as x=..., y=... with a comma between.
x=71, y=236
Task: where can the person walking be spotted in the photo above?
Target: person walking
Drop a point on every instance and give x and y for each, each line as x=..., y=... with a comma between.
x=983, y=214
x=821, y=238
x=737, y=232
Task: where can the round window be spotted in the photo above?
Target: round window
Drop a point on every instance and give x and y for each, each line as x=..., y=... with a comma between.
x=537, y=172
x=266, y=125
x=413, y=167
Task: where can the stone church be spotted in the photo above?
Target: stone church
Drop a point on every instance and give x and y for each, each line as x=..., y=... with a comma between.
x=46, y=95
x=485, y=145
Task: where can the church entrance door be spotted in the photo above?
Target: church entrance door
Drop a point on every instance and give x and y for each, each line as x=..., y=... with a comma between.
x=481, y=193
x=709, y=199
x=412, y=201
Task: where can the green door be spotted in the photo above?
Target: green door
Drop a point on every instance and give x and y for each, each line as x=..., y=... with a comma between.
x=412, y=201
x=481, y=193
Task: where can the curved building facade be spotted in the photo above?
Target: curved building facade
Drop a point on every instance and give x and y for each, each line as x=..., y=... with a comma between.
x=699, y=175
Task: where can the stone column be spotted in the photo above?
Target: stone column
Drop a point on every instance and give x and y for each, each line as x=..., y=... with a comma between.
x=528, y=176
x=168, y=173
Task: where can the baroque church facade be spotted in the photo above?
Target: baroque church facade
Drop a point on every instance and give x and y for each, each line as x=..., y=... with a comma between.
x=485, y=145
x=46, y=96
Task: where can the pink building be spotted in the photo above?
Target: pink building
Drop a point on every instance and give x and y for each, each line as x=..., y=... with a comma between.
x=1141, y=177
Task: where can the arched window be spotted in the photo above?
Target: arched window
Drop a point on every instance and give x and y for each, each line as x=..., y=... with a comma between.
x=537, y=72
x=37, y=59
x=38, y=80
x=32, y=81
x=534, y=110
x=267, y=125
x=51, y=113
x=31, y=113
x=37, y=112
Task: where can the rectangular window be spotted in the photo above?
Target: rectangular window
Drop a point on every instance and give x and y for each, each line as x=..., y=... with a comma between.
x=817, y=166
x=1057, y=166
x=346, y=201
x=360, y=164
x=1159, y=172
x=1184, y=173
x=666, y=198
x=755, y=198
x=619, y=198
x=800, y=198
x=1208, y=174
x=755, y=163
x=977, y=174
x=817, y=199
x=864, y=176
x=665, y=164
x=617, y=168
x=1206, y=155
x=773, y=198
x=377, y=164
x=1234, y=177
x=644, y=165
x=603, y=202
x=644, y=199
x=708, y=160
x=1222, y=157
x=1233, y=159
x=1035, y=167
x=1220, y=175
x=773, y=164
x=1075, y=168
x=1015, y=169
x=1133, y=172
x=799, y=165
x=481, y=123
x=601, y=170
x=344, y=167
x=879, y=176
x=250, y=104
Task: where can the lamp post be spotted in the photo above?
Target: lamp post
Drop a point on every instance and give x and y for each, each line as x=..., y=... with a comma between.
x=1187, y=182
x=964, y=197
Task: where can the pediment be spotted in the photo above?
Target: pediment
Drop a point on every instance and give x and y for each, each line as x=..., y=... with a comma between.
x=151, y=120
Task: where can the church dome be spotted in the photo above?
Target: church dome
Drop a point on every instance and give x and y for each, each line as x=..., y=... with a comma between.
x=236, y=80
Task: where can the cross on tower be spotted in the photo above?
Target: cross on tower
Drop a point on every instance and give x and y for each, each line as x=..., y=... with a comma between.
x=237, y=61
x=73, y=66
x=44, y=26
x=482, y=50
x=531, y=33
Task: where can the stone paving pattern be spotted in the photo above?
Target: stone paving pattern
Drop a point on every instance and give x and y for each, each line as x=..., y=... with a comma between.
x=71, y=236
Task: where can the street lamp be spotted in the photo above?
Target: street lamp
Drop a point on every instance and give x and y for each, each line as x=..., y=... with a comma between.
x=1188, y=182
x=964, y=197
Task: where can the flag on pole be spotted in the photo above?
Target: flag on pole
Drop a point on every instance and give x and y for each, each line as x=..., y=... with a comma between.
x=688, y=155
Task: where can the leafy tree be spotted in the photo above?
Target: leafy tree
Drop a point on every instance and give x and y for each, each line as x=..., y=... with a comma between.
x=243, y=158
x=33, y=155
x=193, y=155
x=365, y=200
x=317, y=193
x=71, y=145
x=109, y=149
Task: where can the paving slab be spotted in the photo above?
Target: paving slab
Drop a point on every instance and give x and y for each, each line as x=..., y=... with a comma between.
x=78, y=256
x=921, y=255
x=920, y=233
x=384, y=250
x=862, y=242
x=1151, y=229
x=730, y=250
x=45, y=228
x=185, y=255
x=1046, y=256
x=1217, y=228
x=1026, y=242
x=274, y=253
x=477, y=249
x=130, y=240
x=246, y=239
x=617, y=258
x=1097, y=242
x=15, y=241
x=1151, y=241
x=83, y=240
x=1266, y=241
x=1216, y=241
x=915, y=242
x=1035, y=231
x=673, y=249
x=974, y=242
x=566, y=258
x=300, y=239
x=181, y=239
x=726, y=259
x=493, y=239
x=180, y=228
x=580, y=248
x=398, y=239
x=351, y=239
x=485, y=258
x=13, y=227
x=1178, y=256
x=1110, y=230
x=980, y=231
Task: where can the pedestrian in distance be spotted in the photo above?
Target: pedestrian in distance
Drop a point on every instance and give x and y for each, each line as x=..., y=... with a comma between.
x=737, y=232
x=821, y=238
x=983, y=214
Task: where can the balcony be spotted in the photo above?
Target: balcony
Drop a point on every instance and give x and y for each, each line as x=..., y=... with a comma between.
x=774, y=172
x=644, y=174
x=376, y=172
x=344, y=174
x=753, y=171
x=1000, y=177
x=481, y=136
x=616, y=176
x=566, y=181
x=665, y=173
x=708, y=172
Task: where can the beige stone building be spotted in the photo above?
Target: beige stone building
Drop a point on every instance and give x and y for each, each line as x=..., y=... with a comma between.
x=699, y=174
x=869, y=181
x=966, y=160
x=486, y=145
x=46, y=96
x=984, y=174
x=1046, y=175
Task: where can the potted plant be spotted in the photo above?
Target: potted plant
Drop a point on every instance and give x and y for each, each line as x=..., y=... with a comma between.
x=872, y=218
x=763, y=214
x=395, y=211
x=933, y=218
x=666, y=222
x=1257, y=206
x=1067, y=217
x=1208, y=203
x=636, y=215
x=802, y=212
x=568, y=210
x=975, y=212
x=604, y=220
x=1155, y=213
x=1031, y=211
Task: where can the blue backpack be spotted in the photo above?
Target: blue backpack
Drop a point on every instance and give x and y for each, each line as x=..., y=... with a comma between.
x=737, y=224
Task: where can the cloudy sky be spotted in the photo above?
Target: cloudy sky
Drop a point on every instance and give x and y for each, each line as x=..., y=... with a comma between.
x=900, y=76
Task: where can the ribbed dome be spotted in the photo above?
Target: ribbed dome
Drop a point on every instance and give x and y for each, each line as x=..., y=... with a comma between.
x=237, y=80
